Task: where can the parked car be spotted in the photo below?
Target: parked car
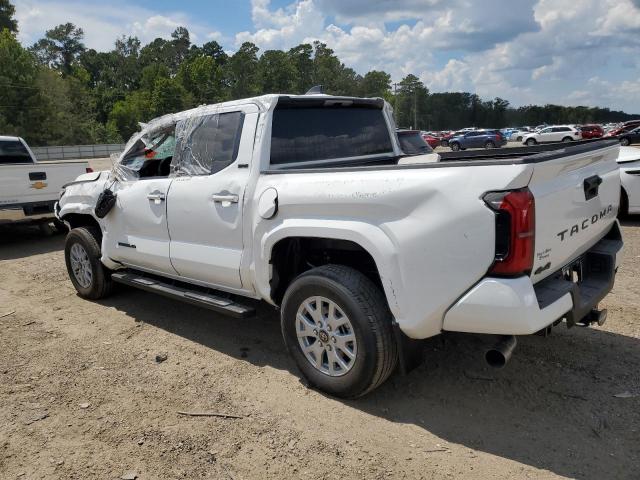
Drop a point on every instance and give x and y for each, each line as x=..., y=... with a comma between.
x=308, y=203
x=591, y=131
x=444, y=141
x=477, y=139
x=620, y=130
x=28, y=188
x=630, y=137
x=558, y=133
x=412, y=142
x=629, y=162
x=431, y=139
x=518, y=134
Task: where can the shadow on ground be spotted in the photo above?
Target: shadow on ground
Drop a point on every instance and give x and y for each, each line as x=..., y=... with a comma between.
x=21, y=241
x=553, y=407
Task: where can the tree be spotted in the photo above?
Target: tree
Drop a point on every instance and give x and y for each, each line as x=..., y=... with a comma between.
x=302, y=61
x=375, y=84
x=276, y=71
x=7, y=11
x=202, y=78
x=242, y=71
x=410, y=103
x=214, y=50
x=126, y=113
x=61, y=47
x=19, y=95
x=168, y=97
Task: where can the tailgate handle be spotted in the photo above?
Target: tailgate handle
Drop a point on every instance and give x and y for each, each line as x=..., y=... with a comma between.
x=591, y=186
x=34, y=176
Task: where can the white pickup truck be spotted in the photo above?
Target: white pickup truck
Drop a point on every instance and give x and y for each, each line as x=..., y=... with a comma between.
x=29, y=189
x=308, y=203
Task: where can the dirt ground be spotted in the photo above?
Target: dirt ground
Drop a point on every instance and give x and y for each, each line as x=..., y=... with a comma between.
x=82, y=396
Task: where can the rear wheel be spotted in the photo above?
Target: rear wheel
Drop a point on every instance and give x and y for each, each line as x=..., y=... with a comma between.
x=337, y=326
x=567, y=139
x=624, y=141
x=489, y=145
x=531, y=142
x=82, y=255
x=455, y=147
x=623, y=209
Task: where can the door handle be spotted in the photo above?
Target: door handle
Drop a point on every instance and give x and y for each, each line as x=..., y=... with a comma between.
x=156, y=197
x=225, y=197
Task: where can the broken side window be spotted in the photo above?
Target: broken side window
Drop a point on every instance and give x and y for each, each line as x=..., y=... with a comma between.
x=148, y=155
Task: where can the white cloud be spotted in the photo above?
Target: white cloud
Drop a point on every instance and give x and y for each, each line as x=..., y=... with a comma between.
x=102, y=24
x=528, y=51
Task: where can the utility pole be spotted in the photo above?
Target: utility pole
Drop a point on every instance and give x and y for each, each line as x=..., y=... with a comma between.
x=415, y=108
x=397, y=103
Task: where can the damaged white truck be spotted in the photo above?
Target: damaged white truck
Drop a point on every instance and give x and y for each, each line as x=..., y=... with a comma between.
x=308, y=203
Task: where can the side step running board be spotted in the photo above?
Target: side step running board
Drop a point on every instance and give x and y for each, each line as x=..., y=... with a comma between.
x=184, y=294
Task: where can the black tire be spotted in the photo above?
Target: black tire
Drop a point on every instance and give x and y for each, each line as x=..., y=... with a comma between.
x=567, y=139
x=489, y=145
x=89, y=239
x=444, y=143
x=531, y=142
x=623, y=209
x=366, y=308
x=624, y=141
x=455, y=147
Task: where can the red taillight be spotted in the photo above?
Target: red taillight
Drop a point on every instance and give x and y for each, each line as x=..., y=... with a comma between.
x=515, y=231
x=89, y=170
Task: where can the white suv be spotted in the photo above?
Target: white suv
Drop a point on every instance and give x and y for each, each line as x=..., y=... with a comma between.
x=557, y=133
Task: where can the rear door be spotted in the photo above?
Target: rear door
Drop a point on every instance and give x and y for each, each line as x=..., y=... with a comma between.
x=576, y=199
x=206, y=200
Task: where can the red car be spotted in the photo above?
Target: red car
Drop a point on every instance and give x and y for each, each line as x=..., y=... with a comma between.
x=431, y=140
x=620, y=130
x=591, y=131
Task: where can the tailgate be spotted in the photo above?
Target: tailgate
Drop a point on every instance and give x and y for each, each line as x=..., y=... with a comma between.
x=577, y=192
x=40, y=182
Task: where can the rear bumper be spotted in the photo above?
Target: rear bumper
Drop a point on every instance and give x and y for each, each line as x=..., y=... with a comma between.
x=515, y=306
x=27, y=212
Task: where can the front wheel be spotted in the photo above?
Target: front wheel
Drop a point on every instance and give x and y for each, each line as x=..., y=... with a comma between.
x=624, y=141
x=531, y=142
x=337, y=326
x=455, y=147
x=82, y=255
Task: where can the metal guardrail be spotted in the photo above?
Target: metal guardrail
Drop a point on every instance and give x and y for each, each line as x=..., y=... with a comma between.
x=74, y=152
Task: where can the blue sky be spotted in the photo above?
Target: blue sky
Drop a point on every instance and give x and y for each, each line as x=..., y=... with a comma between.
x=571, y=52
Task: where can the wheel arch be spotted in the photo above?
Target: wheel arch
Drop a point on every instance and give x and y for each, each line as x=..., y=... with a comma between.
x=292, y=250
x=75, y=220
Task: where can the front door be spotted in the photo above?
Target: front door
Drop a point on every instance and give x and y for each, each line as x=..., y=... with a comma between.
x=205, y=203
x=136, y=231
x=546, y=135
x=136, y=228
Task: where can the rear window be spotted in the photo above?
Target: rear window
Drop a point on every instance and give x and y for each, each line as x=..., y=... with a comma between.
x=412, y=143
x=13, y=151
x=311, y=134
